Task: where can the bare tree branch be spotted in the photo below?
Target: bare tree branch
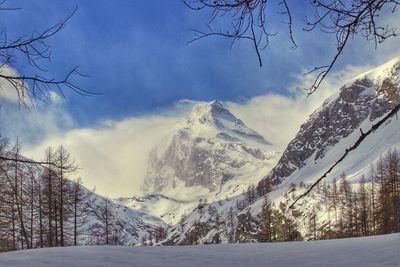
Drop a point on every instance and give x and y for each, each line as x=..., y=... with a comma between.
x=343, y=19
x=346, y=19
x=33, y=48
x=248, y=21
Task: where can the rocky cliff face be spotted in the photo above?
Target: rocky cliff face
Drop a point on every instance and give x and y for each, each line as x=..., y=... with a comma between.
x=208, y=147
x=369, y=96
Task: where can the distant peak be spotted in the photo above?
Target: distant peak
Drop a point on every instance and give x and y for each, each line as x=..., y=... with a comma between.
x=207, y=106
x=213, y=108
x=213, y=116
x=215, y=103
x=209, y=115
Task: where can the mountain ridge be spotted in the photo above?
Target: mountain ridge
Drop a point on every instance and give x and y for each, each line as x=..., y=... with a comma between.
x=368, y=97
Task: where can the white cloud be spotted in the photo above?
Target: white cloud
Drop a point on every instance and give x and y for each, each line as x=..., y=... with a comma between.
x=34, y=124
x=112, y=156
x=7, y=91
x=20, y=95
x=54, y=97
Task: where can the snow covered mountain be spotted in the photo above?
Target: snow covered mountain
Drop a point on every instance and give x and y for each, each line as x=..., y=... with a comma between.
x=198, y=177
x=209, y=155
x=338, y=123
x=209, y=152
x=320, y=142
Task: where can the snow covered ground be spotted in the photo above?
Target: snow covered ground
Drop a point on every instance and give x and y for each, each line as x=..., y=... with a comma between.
x=366, y=251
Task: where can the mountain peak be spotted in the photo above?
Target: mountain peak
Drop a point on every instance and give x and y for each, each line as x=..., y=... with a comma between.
x=209, y=147
x=215, y=103
x=202, y=108
x=211, y=114
x=213, y=119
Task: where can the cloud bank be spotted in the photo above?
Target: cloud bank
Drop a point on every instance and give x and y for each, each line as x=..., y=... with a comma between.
x=112, y=156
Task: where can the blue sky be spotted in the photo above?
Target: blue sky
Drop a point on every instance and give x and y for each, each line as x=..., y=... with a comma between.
x=136, y=55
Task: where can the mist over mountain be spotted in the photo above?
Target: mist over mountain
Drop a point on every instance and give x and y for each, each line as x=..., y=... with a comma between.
x=209, y=147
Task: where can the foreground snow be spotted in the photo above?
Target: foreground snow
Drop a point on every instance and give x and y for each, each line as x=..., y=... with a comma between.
x=367, y=251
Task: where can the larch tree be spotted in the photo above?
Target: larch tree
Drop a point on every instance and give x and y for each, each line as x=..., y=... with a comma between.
x=65, y=166
x=81, y=210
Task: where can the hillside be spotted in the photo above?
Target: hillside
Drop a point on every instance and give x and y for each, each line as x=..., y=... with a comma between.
x=337, y=124
x=44, y=206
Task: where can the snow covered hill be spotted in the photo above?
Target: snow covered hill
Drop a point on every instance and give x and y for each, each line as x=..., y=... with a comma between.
x=336, y=126
x=366, y=251
x=92, y=215
x=131, y=225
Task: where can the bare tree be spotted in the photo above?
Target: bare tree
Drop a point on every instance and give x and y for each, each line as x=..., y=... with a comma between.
x=66, y=165
x=49, y=180
x=80, y=208
x=103, y=212
x=247, y=20
x=33, y=49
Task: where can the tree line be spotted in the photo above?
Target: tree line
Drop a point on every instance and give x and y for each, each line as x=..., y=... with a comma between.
x=42, y=204
x=238, y=224
x=369, y=206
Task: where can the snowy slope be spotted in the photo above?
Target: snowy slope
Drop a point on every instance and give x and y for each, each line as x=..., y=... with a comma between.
x=336, y=126
x=330, y=130
x=133, y=224
x=167, y=209
x=366, y=251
